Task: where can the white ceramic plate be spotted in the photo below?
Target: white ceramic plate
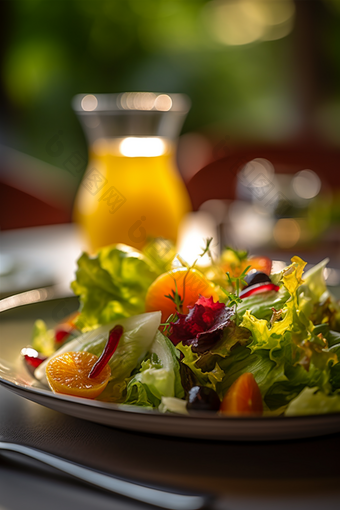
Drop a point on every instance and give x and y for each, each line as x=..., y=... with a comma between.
x=15, y=377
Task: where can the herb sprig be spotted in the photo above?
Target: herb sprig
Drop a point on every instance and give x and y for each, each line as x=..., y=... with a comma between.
x=234, y=297
x=174, y=296
x=240, y=254
x=167, y=324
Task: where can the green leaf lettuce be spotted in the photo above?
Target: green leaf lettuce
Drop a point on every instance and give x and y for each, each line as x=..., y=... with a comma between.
x=158, y=377
x=112, y=285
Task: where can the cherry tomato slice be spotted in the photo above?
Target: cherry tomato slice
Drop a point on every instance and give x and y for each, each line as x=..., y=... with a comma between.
x=243, y=397
x=262, y=264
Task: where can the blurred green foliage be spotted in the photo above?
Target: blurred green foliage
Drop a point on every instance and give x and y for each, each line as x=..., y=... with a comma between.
x=55, y=49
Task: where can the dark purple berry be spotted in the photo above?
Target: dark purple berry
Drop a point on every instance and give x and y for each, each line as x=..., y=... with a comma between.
x=201, y=398
x=255, y=278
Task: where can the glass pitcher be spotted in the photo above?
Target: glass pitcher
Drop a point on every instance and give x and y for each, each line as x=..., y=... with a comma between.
x=131, y=190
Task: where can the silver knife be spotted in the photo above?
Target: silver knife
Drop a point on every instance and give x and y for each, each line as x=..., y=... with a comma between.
x=157, y=497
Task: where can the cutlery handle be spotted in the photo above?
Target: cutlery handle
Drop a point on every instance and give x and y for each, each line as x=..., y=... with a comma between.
x=157, y=497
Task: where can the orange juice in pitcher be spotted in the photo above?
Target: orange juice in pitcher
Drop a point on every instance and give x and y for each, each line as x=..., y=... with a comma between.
x=131, y=190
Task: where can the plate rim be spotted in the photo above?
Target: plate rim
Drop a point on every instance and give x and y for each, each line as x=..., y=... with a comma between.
x=137, y=410
x=26, y=391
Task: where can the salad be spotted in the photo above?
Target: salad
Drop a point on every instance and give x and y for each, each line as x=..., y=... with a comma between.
x=229, y=337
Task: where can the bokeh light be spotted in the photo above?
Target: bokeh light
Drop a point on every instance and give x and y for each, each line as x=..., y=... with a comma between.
x=240, y=22
x=163, y=103
x=287, y=232
x=89, y=103
x=195, y=228
x=306, y=184
x=137, y=100
x=255, y=180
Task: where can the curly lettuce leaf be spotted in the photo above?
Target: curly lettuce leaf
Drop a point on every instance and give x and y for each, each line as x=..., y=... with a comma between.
x=242, y=360
x=314, y=298
x=335, y=376
x=221, y=366
x=268, y=334
x=209, y=378
x=306, y=365
x=260, y=305
x=285, y=354
x=219, y=373
x=295, y=379
x=300, y=351
x=315, y=282
x=316, y=302
x=333, y=339
x=111, y=285
x=292, y=275
x=279, y=376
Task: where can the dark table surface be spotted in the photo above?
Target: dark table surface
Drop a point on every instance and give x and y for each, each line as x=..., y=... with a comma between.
x=297, y=474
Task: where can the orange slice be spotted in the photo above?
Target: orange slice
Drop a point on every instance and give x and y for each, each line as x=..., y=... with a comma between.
x=69, y=374
x=196, y=284
x=243, y=397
